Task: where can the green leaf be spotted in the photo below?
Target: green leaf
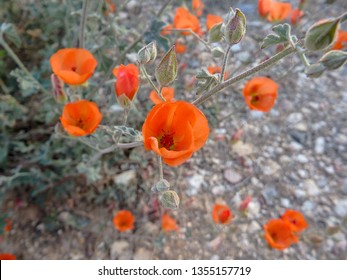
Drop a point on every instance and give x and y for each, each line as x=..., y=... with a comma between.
x=26, y=83
x=154, y=35
x=282, y=35
x=11, y=34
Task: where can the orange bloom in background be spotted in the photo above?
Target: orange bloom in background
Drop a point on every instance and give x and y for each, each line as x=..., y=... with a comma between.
x=264, y=7
x=198, y=7
x=7, y=256
x=167, y=92
x=212, y=20
x=260, y=94
x=110, y=7
x=279, y=234
x=279, y=11
x=217, y=69
x=80, y=118
x=175, y=130
x=341, y=41
x=180, y=48
x=185, y=20
x=128, y=81
x=168, y=223
x=166, y=30
x=124, y=220
x=296, y=15
x=221, y=214
x=74, y=66
x=8, y=225
x=295, y=219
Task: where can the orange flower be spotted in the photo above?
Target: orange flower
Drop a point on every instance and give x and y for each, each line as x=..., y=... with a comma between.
x=341, y=41
x=124, y=220
x=175, y=130
x=264, y=7
x=7, y=256
x=180, y=48
x=212, y=20
x=295, y=16
x=166, y=30
x=279, y=11
x=198, y=7
x=217, y=69
x=295, y=219
x=110, y=7
x=221, y=214
x=168, y=223
x=185, y=20
x=8, y=225
x=260, y=94
x=167, y=92
x=279, y=235
x=73, y=66
x=80, y=118
x=127, y=80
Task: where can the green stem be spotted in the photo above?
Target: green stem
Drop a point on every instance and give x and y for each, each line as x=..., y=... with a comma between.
x=82, y=24
x=272, y=60
x=226, y=56
x=194, y=34
x=148, y=78
x=161, y=171
x=20, y=63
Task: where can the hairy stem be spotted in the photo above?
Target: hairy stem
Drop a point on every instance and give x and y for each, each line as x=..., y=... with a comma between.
x=161, y=171
x=225, y=60
x=148, y=78
x=269, y=62
x=82, y=24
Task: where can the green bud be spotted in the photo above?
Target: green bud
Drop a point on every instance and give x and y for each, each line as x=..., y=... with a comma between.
x=215, y=34
x=217, y=52
x=166, y=71
x=147, y=53
x=162, y=185
x=315, y=70
x=169, y=199
x=235, y=29
x=321, y=35
x=333, y=59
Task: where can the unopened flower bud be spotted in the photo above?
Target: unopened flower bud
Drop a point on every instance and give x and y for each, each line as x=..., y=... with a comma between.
x=315, y=70
x=215, y=34
x=162, y=185
x=217, y=52
x=334, y=59
x=322, y=34
x=166, y=71
x=58, y=89
x=235, y=29
x=169, y=199
x=147, y=53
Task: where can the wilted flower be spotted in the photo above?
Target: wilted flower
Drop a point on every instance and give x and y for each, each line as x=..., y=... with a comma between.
x=296, y=220
x=279, y=234
x=221, y=214
x=124, y=220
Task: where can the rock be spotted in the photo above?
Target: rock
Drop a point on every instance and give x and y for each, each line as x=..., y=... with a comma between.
x=218, y=190
x=242, y=149
x=302, y=158
x=344, y=186
x=194, y=183
x=341, y=208
x=126, y=178
x=308, y=206
x=254, y=227
x=254, y=209
x=285, y=202
x=311, y=187
x=295, y=118
x=120, y=250
x=270, y=194
x=270, y=167
x=232, y=176
x=319, y=145
x=302, y=173
x=143, y=254
x=73, y=220
x=298, y=136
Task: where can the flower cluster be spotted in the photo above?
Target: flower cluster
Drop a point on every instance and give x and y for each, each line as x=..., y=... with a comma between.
x=282, y=233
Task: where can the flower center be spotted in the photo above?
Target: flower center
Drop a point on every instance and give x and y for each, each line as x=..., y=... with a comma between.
x=74, y=68
x=255, y=99
x=224, y=215
x=166, y=141
x=80, y=123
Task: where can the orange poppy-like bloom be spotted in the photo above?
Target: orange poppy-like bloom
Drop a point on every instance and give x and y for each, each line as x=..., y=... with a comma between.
x=264, y=7
x=221, y=214
x=168, y=223
x=212, y=20
x=167, y=92
x=295, y=219
x=296, y=15
x=185, y=20
x=279, y=234
x=124, y=220
x=217, y=69
x=110, y=7
x=7, y=256
x=180, y=48
x=128, y=81
x=198, y=7
x=341, y=41
x=175, y=130
x=73, y=66
x=8, y=225
x=260, y=93
x=80, y=118
x=279, y=11
x=166, y=30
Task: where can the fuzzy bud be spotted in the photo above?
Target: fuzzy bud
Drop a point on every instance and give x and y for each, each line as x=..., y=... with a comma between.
x=235, y=29
x=161, y=186
x=315, y=70
x=215, y=34
x=333, y=59
x=166, y=71
x=58, y=89
x=147, y=53
x=169, y=199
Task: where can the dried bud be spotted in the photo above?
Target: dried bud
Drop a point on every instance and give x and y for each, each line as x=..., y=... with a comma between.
x=217, y=52
x=235, y=29
x=215, y=34
x=147, y=53
x=315, y=70
x=161, y=186
x=58, y=89
x=333, y=59
x=322, y=34
x=166, y=71
x=169, y=199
